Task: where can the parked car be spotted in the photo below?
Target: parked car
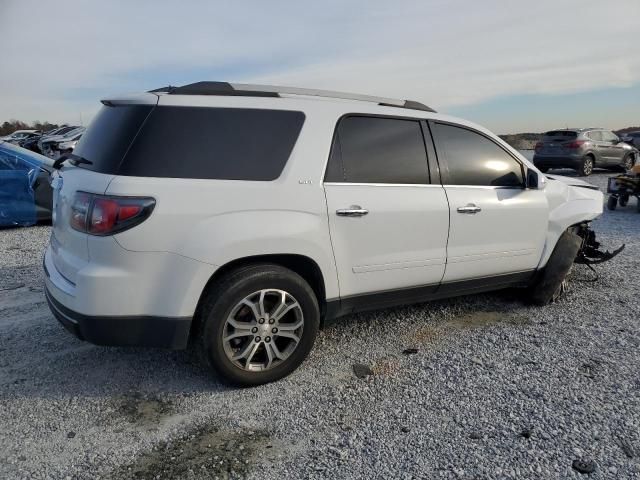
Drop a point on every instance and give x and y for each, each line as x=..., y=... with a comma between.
x=59, y=145
x=583, y=149
x=20, y=135
x=25, y=192
x=632, y=138
x=243, y=218
x=56, y=135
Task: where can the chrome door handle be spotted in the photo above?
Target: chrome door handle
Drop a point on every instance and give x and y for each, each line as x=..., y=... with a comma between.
x=352, y=211
x=470, y=208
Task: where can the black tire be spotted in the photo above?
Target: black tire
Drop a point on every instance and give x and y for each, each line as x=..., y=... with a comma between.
x=586, y=168
x=226, y=293
x=543, y=169
x=638, y=204
x=628, y=162
x=547, y=286
x=623, y=200
x=612, y=202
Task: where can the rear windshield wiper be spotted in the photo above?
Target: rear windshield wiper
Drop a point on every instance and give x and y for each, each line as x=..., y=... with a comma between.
x=75, y=159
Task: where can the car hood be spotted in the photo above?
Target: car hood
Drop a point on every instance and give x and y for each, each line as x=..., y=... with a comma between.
x=572, y=181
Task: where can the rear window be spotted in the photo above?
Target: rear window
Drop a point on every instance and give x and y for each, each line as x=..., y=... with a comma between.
x=561, y=133
x=191, y=142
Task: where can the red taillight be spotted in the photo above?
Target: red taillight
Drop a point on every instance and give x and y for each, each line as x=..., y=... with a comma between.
x=539, y=146
x=575, y=144
x=106, y=215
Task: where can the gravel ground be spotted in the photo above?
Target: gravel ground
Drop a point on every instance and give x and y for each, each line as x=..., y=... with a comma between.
x=492, y=389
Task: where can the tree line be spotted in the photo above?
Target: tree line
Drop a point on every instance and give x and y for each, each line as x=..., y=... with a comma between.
x=12, y=125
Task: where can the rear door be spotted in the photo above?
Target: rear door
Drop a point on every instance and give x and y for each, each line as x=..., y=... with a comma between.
x=497, y=226
x=388, y=223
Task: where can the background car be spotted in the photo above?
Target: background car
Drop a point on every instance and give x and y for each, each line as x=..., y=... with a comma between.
x=56, y=145
x=583, y=149
x=26, y=196
x=20, y=135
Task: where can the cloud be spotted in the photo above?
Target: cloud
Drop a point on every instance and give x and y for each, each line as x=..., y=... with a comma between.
x=61, y=57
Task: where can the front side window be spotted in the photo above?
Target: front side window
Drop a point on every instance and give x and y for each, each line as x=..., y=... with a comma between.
x=473, y=159
x=609, y=136
x=378, y=150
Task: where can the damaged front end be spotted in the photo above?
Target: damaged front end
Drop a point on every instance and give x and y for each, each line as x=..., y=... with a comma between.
x=589, y=252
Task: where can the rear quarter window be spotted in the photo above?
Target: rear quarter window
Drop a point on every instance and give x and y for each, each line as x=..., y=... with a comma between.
x=200, y=142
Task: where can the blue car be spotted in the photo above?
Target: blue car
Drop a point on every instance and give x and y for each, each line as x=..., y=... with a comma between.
x=25, y=193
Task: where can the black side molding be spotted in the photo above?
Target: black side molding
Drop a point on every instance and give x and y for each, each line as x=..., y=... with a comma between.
x=406, y=296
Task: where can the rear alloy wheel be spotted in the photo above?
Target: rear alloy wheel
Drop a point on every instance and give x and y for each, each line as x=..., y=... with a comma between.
x=628, y=162
x=258, y=324
x=586, y=168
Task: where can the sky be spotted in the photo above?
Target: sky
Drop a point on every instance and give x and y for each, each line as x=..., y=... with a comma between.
x=510, y=65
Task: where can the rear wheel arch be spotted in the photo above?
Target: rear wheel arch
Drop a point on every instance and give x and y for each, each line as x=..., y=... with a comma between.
x=304, y=266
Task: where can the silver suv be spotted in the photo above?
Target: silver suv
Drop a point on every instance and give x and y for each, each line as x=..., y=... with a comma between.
x=583, y=149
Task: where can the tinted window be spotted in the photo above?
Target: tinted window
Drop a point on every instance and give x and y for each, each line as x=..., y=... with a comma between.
x=378, y=150
x=196, y=142
x=473, y=159
x=561, y=133
x=109, y=136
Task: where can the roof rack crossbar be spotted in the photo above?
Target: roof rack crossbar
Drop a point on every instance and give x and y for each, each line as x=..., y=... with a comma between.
x=246, y=89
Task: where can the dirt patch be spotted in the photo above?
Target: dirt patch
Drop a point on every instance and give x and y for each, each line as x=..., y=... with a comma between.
x=142, y=410
x=205, y=453
x=386, y=366
x=433, y=333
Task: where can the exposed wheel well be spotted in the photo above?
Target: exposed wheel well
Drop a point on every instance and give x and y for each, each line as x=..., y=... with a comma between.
x=303, y=266
x=593, y=157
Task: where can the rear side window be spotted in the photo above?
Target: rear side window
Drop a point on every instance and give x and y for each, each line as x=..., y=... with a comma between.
x=194, y=142
x=567, y=134
x=378, y=150
x=473, y=159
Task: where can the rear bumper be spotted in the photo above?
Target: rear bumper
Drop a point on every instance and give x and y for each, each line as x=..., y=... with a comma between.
x=557, y=161
x=143, y=331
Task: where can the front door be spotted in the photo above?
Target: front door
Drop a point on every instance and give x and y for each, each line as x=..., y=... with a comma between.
x=498, y=226
x=388, y=224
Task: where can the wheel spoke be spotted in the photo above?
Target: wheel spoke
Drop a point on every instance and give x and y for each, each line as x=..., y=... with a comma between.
x=253, y=307
x=290, y=335
x=240, y=332
x=240, y=325
x=252, y=353
x=261, y=303
x=275, y=350
x=282, y=305
x=245, y=352
x=290, y=327
x=284, y=311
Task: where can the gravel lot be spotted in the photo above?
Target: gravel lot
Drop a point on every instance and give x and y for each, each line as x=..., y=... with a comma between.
x=496, y=389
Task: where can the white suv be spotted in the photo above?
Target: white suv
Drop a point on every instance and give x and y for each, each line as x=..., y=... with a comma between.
x=244, y=218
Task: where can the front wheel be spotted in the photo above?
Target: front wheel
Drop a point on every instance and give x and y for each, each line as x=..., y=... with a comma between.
x=550, y=282
x=586, y=168
x=259, y=323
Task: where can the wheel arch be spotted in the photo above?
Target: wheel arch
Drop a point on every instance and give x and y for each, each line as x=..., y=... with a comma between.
x=303, y=265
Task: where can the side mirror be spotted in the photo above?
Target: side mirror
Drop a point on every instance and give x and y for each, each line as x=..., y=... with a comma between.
x=534, y=180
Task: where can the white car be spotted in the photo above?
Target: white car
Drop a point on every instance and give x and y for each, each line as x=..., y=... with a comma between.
x=243, y=218
x=20, y=135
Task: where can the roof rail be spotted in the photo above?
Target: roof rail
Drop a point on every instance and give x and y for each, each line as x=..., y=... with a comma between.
x=249, y=90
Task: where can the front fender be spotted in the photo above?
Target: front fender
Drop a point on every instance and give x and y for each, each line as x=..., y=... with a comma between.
x=569, y=206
